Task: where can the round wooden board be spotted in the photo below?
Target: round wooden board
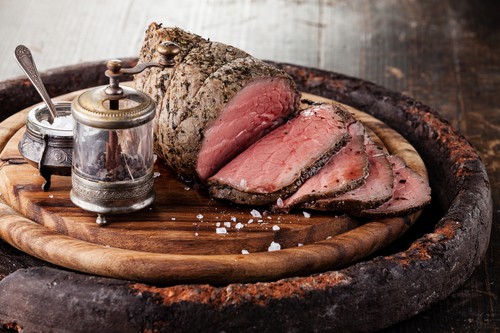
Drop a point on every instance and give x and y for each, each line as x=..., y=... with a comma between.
x=372, y=294
x=175, y=239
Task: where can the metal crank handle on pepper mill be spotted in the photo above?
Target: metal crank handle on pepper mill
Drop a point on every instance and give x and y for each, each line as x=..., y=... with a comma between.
x=25, y=60
x=167, y=51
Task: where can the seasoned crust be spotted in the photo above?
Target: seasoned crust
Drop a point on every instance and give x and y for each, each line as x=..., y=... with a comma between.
x=194, y=92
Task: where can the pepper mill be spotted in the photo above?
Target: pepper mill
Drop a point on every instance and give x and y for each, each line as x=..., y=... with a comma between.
x=112, y=169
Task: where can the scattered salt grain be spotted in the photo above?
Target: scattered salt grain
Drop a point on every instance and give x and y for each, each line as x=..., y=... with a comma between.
x=243, y=183
x=269, y=218
x=274, y=247
x=260, y=221
x=156, y=174
x=306, y=215
x=199, y=216
x=233, y=218
x=196, y=234
x=279, y=202
x=244, y=252
x=239, y=225
x=217, y=224
x=276, y=228
x=221, y=230
x=250, y=221
x=186, y=188
x=300, y=244
x=51, y=196
x=227, y=224
x=328, y=237
x=256, y=213
x=173, y=218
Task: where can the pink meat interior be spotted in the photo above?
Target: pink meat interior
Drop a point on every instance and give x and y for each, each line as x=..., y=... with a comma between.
x=278, y=159
x=343, y=168
x=410, y=189
x=259, y=107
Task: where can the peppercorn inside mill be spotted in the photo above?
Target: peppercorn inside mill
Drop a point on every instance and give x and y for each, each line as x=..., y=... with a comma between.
x=112, y=170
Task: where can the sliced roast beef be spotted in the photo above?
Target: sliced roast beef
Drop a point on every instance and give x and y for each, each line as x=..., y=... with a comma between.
x=345, y=170
x=411, y=192
x=218, y=100
x=276, y=165
x=376, y=190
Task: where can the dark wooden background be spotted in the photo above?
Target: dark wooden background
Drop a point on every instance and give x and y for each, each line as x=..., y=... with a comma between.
x=444, y=53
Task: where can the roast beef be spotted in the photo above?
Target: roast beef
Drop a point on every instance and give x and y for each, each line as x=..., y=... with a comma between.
x=410, y=193
x=345, y=170
x=376, y=190
x=213, y=104
x=276, y=165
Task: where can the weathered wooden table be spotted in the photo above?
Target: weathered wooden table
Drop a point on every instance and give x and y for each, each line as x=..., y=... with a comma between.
x=444, y=54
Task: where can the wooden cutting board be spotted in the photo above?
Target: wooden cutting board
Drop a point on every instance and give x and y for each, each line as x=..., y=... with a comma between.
x=175, y=239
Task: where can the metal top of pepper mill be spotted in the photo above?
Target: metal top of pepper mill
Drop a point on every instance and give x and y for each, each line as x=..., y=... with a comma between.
x=117, y=107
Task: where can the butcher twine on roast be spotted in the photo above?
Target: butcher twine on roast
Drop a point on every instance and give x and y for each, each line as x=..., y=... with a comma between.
x=213, y=104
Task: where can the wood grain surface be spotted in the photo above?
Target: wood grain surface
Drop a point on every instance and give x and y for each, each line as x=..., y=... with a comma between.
x=443, y=53
x=430, y=266
x=175, y=239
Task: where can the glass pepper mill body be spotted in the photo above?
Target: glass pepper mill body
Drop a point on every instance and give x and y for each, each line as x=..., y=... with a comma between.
x=112, y=170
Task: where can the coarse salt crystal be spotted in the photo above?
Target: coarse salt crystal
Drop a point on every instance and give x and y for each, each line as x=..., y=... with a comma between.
x=186, y=188
x=279, y=202
x=173, y=218
x=250, y=221
x=260, y=221
x=274, y=247
x=196, y=234
x=276, y=228
x=156, y=174
x=244, y=252
x=328, y=237
x=308, y=112
x=199, y=216
x=221, y=230
x=217, y=224
x=300, y=244
x=227, y=224
x=238, y=225
x=64, y=123
x=256, y=213
x=233, y=218
x=51, y=196
x=243, y=183
x=306, y=215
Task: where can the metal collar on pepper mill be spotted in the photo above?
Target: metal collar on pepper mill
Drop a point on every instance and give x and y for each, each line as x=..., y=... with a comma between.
x=112, y=169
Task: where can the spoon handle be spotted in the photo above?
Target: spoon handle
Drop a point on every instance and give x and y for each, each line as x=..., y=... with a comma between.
x=25, y=60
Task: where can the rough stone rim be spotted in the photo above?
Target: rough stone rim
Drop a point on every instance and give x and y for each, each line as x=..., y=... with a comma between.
x=344, y=299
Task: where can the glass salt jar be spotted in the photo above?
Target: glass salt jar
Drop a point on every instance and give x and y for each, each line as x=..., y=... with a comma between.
x=113, y=143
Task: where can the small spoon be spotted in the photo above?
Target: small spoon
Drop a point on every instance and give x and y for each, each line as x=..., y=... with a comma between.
x=25, y=60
